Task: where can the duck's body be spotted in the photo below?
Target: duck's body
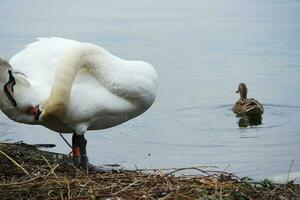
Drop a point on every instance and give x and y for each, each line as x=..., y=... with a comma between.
x=72, y=87
x=249, y=109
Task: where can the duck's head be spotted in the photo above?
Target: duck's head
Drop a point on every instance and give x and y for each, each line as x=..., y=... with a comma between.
x=242, y=90
x=242, y=87
x=7, y=83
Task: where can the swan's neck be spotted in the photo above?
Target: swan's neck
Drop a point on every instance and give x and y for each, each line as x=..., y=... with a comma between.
x=69, y=66
x=134, y=81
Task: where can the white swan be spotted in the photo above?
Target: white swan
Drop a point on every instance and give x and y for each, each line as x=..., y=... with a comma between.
x=72, y=87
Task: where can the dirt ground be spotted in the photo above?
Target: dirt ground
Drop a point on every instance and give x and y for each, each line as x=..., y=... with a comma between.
x=29, y=173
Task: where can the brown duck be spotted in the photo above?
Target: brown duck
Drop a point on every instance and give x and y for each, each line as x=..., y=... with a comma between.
x=245, y=106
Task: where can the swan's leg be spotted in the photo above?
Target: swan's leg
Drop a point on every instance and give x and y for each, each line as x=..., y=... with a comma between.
x=76, y=150
x=79, y=151
x=84, y=162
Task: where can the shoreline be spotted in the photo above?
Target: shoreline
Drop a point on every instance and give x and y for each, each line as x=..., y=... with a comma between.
x=27, y=172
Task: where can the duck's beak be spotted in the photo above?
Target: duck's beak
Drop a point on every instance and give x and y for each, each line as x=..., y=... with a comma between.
x=9, y=89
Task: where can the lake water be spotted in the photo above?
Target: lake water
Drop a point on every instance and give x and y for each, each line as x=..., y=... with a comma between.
x=202, y=50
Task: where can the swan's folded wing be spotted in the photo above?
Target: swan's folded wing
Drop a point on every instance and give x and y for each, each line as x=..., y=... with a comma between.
x=38, y=61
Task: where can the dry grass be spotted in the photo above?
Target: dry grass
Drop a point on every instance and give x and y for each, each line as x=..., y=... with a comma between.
x=28, y=173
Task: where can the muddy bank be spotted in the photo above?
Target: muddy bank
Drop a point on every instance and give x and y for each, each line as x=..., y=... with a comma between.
x=29, y=173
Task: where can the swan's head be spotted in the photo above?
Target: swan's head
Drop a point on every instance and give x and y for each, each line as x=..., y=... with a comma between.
x=13, y=92
x=7, y=83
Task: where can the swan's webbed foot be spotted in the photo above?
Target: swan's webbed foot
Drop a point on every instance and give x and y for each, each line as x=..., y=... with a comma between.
x=84, y=162
x=80, y=158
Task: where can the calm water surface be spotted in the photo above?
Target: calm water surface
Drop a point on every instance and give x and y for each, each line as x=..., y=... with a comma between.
x=201, y=50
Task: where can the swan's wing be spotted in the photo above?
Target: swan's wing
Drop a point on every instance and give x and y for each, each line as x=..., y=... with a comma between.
x=38, y=61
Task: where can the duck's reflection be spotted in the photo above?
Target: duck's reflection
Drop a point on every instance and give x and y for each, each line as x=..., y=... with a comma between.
x=249, y=120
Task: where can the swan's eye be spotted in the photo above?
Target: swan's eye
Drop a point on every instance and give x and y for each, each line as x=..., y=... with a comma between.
x=11, y=77
x=9, y=88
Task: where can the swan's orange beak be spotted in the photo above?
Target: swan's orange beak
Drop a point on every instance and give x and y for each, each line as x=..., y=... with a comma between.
x=35, y=111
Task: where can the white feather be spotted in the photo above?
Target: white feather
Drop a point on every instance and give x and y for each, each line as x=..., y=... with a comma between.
x=105, y=90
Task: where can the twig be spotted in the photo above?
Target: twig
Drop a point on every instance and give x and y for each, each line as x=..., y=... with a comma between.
x=68, y=187
x=66, y=141
x=187, y=168
x=125, y=188
x=288, y=177
x=167, y=196
x=20, y=183
x=51, y=169
x=17, y=164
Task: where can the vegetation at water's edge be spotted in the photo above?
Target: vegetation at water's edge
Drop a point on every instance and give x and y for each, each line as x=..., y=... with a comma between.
x=29, y=173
